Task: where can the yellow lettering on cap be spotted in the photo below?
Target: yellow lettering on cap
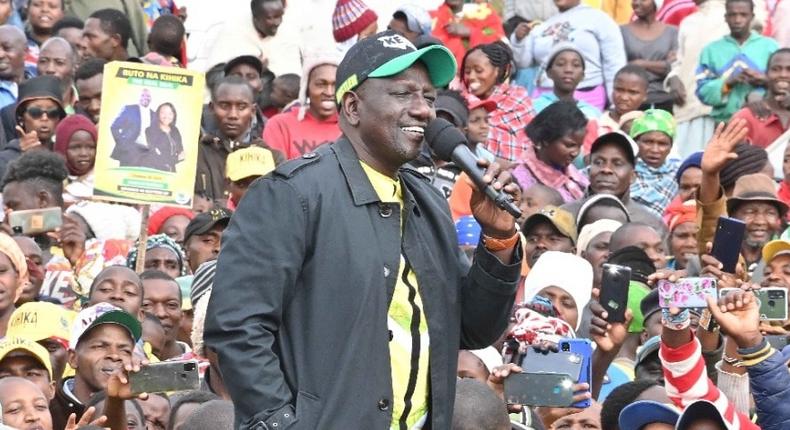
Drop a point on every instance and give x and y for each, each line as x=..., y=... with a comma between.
x=347, y=86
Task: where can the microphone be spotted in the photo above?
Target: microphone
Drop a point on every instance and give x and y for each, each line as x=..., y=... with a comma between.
x=449, y=144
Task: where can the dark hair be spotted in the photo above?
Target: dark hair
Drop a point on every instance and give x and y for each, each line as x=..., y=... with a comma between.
x=153, y=274
x=727, y=3
x=166, y=36
x=214, y=75
x=478, y=407
x=89, y=69
x=499, y=54
x=291, y=81
x=255, y=5
x=619, y=398
x=114, y=22
x=631, y=69
x=775, y=53
x=172, y=108
x=234, y=81
x=43, y=169
x=68, y=22
x=101, y=276
x=556, y=121
x=189, y=397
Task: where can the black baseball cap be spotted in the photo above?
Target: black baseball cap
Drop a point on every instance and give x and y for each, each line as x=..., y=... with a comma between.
x=202, y=223
x=624, y=141
x=387, y=54
x=249, y=60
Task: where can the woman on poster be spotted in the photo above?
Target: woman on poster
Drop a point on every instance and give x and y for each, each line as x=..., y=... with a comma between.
x=165, y=148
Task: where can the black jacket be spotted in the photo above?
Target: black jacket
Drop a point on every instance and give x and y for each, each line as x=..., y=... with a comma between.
x=307, y=269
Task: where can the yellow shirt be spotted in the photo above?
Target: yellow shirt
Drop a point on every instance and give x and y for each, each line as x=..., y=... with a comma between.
x=406, y=320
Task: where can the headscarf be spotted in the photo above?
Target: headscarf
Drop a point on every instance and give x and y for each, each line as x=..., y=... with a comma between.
x=591, y=231
x=161, y=216
x=9, y=247
x=159, y=241
x=562, y=270
x=66, y=128
x=109, y=221
x=537, y=322
x=693, y=160
x=679, y=213
x=654, y=120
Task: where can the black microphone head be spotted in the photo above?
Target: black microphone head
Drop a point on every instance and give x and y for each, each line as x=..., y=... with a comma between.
x=443, y=137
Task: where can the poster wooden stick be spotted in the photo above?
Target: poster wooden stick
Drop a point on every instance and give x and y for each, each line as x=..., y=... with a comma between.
x=139, y=266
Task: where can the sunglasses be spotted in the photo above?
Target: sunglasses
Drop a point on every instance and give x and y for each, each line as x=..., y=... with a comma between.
x=37, y=112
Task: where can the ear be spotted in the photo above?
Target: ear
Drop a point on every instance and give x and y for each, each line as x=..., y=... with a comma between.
x=633, y=175
x=52, y=388
x=350, y=107
x=643, y=337
x=73, y=359
x=116, y=40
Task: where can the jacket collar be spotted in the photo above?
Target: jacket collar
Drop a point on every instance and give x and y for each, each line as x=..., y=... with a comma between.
x=361, y=190
x=357, y=180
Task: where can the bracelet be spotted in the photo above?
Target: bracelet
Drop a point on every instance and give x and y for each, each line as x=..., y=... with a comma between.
x=493, y=244
x=734, y=362
x=680, y=321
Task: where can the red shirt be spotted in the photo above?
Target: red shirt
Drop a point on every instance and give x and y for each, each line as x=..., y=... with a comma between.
x=762, y=132
x=485, y=26
x=287, y=134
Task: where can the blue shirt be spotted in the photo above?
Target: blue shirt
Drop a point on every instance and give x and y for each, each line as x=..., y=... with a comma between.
x=9, y=91
x=547, y=98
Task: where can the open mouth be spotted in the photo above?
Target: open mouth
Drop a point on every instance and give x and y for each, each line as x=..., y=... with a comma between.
x=414, y=131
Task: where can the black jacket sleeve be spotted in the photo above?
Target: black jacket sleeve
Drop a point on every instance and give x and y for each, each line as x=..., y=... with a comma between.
x=262, y=252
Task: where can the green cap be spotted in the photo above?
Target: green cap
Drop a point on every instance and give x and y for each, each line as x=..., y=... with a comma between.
x=387, y=54
x=654, y=120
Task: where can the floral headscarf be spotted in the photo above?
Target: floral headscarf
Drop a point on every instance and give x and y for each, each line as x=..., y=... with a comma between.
x=159, y=241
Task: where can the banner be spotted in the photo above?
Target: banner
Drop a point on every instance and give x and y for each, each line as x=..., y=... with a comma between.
x=148, y=134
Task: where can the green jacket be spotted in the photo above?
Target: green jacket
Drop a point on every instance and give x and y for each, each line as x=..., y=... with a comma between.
x=82, y=9
x=724, y=58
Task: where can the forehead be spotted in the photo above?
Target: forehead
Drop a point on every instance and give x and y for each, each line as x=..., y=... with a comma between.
x=628, y=79
x=93, y=25
x=555, y=291
x=243, y=69
x=20, y=358
x=780, y=260
x=738, y=7
x=692, y=173
x=160, y=287
x=652, y=136
x=643, y=233
x=27, y=245
x=161, y=253
x=542, y=227
x=56, y=49
x=753, y=206
x=228, y=93
x=416, y=75
x=568, y=55
x=15, y=389
x=118, y=275
x=92, y=83
x=604, y=237
x=610, y=151
x=112, y=333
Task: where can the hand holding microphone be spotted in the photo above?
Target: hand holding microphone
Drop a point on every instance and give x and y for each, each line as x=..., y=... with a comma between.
x=495, y=200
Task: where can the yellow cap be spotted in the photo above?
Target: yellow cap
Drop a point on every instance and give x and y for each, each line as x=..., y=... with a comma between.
x=22, y=345
x=250, y=161
x=774, y=248
x=41, y=320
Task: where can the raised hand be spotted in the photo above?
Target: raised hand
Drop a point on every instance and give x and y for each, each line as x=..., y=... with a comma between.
x=720, y=147
x=738, y=315
x=73, y=424
x=27, y=141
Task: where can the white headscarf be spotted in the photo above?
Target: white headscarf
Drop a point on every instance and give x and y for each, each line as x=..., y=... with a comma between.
x=562, y=270
x=591, y=231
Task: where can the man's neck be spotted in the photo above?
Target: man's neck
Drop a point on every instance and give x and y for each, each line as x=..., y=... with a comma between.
x=81, y=390
x=751, y=254
x=563, y=95
x=741, y=38
x=120, y=55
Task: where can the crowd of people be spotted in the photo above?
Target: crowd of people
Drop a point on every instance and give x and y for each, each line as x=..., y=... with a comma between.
x=335, y=271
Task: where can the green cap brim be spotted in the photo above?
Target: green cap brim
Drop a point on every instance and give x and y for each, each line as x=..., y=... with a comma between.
x=122, y=318
x=438, y=59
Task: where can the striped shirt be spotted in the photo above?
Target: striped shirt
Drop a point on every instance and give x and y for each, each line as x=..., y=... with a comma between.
x=409, y=345
x=687, y=381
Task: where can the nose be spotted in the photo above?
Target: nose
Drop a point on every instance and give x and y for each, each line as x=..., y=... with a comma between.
x=541, y=244
x=116, y=296
x=420, y=109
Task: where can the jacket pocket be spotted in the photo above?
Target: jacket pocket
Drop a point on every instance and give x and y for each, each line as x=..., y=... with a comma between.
x=308, y=410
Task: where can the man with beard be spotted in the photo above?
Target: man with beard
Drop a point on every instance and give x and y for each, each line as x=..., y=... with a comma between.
x=770, y=117
x=551, y=229
x=755, y=203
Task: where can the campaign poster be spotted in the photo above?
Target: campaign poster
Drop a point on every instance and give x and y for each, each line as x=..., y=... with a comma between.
x=148, y=134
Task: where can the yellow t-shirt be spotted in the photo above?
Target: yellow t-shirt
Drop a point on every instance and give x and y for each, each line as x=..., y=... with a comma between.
x=406, y=320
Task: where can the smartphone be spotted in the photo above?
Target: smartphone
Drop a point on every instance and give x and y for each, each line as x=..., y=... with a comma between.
x=614, y=291
x=539, y=389
x=582, y=347
x=165, y=376
x=777, y=341
x=727, y=242
x=773, y=302
x=569, y=363
x=686, y=292
x=35, y=221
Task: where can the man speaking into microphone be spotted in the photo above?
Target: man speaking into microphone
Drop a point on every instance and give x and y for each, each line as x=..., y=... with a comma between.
x=341, y=298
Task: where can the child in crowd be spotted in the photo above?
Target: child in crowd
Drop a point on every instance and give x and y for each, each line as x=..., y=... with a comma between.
x=629, y=93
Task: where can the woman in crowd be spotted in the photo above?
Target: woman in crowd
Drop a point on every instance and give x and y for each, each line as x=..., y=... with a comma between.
x=486, y=71
x=165, y=148
x=557, y=134
x=75, y=140
x=683, y=231
x=170, y=221
x=592, y=31
x=161, y=253
x=652, y=45
x=13, y=278
x=39, y=109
